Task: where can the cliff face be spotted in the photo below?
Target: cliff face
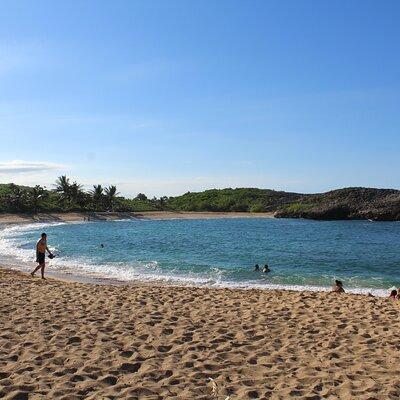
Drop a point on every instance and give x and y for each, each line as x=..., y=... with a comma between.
x=349, y=203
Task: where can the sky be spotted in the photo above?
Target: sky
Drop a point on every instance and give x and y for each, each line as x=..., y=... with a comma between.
x=165, y=97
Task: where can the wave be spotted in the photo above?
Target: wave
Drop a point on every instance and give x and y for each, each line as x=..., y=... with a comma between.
x=12, y=247
x=19, y=254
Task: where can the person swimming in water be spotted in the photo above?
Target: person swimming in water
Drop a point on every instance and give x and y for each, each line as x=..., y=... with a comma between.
x=41, y=248
x=256, y=267
x=266, y=269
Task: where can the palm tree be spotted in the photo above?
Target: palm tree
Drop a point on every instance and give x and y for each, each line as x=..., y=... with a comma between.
x=63, y=186
x=75, y=192
x=97, y=193
x=111, y=196
x=70, y=192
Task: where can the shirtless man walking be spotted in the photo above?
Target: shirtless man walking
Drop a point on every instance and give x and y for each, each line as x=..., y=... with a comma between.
x=41, y=247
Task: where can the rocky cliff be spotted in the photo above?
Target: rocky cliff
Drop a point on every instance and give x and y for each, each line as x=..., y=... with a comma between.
x=348, y=203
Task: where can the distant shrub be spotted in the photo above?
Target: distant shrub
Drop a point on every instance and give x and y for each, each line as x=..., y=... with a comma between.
x=298, y=207
x=257, y=208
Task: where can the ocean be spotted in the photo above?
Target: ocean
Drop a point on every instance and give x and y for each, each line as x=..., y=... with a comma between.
x=302, y=254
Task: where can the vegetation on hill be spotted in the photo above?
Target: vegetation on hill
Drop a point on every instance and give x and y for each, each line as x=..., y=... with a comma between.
x=241, y=199
x=349, y=203
x=69, y=196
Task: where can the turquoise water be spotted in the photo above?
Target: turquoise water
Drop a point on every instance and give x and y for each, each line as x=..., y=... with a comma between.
x=222, y=252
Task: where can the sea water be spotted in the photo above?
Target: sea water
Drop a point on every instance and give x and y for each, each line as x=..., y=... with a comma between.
x=302, y=254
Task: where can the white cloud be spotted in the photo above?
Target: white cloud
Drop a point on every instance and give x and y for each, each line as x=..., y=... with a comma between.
x=19, y=166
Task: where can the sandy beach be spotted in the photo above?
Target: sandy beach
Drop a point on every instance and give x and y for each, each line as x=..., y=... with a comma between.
x=110, y=216
x=68, y=340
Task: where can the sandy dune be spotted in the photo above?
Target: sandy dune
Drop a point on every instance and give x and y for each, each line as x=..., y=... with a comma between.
x=63, y=340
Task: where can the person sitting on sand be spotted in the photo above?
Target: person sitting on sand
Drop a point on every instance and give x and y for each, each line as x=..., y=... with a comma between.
x=256, y=267
x=393, y=294
x=266, y=268
x=338, y=288
x=41, y=248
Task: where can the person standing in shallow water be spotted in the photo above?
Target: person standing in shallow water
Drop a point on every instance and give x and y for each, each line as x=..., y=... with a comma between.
x=41, y=248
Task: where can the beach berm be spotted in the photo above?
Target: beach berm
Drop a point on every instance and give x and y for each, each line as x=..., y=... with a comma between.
x=70, y=340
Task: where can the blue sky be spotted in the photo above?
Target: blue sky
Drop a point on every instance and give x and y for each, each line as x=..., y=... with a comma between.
x=163, y=97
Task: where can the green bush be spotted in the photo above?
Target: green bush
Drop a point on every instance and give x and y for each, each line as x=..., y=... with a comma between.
x=298, y=207
x=257, y=208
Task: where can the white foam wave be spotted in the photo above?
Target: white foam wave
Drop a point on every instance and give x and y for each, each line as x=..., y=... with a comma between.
x=10, y=240
x=122, y=273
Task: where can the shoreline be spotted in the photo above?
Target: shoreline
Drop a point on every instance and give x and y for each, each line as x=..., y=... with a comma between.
x=60, y=339
x=70, y=275
x=6, y=218
x=175, y=283
x=109, y=281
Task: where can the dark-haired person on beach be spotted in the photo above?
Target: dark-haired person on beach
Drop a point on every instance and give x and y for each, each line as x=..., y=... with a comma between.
x=338, y=288
x=393, y=294
x=41, y=248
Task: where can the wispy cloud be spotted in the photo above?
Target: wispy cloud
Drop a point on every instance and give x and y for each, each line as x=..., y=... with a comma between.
x=19, y=166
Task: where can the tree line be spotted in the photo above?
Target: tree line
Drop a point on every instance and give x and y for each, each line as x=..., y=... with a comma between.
x=65, y=196
x=68, y=196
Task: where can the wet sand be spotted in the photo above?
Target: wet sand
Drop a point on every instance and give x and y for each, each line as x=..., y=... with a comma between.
x=69, y=340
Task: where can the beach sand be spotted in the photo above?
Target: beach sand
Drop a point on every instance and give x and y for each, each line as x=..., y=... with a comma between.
x=110, y=216
x=68, y=340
